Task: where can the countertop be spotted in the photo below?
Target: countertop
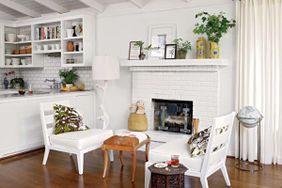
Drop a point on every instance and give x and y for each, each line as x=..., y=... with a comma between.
x=12, y=95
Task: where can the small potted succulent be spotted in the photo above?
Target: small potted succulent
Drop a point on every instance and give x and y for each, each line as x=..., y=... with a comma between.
x=69, y=77
x=214, y=26
x=182, y=48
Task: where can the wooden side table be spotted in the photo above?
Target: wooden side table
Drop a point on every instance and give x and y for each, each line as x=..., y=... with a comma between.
x=124, y=143
x=169, y=177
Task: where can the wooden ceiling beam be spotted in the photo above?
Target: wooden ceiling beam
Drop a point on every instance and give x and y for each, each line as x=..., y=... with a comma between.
x=94, y=4
x=51, y=4
x=20, y=8
x=139, y=3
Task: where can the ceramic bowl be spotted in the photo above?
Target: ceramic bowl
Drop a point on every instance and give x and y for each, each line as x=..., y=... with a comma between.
x=11, y=37
x=15, y=61
x=21, y=37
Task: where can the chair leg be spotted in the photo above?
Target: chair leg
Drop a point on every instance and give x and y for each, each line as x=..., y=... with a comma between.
x=105, y=163
x=46, y=154
x=225, y=175
x=147, y=151
x=133, y=165
x=121, y=158
x=204, y=182
x=80, y=161
x=147, y=175
x=111, y=154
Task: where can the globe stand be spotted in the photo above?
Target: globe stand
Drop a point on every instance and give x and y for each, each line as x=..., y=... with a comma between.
x=246, y=165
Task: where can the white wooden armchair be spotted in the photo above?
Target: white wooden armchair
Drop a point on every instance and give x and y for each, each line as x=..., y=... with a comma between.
x=77, y=143
x=201, y=167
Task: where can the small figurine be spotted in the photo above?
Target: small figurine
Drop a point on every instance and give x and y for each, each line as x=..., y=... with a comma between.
x=138, y=108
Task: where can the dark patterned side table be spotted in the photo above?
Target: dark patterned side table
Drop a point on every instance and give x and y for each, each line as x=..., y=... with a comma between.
x=169, y=177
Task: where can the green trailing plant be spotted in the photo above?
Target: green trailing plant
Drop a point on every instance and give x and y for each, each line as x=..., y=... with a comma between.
x=17, y=82
x=214, y=26
x=139, y=43
x=182, y=46
x=68, y=76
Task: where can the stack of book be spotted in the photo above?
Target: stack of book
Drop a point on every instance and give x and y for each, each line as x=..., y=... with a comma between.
x=47, y=32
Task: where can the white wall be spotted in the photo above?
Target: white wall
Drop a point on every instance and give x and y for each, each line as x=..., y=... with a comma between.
x=122, y=23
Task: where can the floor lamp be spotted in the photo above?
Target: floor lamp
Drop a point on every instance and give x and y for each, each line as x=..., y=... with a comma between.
x=104, y=68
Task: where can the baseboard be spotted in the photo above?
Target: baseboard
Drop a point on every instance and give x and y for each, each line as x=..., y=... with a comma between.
x=21, y=150
x=280, y=160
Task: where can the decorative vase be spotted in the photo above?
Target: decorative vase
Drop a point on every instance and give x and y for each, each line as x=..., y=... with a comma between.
x=70, y=46
x=69, y=85
x=137, y=122
x=201, y=48
x=181, y=54
x=142, y=56
x=213, y=50
x=6, y=83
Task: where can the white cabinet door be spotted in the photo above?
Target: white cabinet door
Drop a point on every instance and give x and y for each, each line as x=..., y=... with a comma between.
x=20, y=121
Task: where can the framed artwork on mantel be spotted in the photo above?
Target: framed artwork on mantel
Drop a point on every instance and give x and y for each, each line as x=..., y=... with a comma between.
x=170, y=51
x=134, y=51
x=159, y=36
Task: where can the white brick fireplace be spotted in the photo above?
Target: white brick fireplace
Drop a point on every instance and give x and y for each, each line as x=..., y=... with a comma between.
x=188, y=80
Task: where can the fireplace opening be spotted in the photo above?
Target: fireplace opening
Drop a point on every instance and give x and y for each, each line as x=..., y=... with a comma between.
x=173, y=115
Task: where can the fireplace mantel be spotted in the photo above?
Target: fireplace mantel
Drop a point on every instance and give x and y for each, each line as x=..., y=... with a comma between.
x=157, y=65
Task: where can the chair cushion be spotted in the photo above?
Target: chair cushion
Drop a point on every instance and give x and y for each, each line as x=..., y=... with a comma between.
x=198, y=143
x=176, y=147
x=67, y=119
x=81, y=139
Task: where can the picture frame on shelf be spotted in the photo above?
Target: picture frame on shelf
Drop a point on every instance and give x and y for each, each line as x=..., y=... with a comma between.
x=134, y=51
x=170, y=51
x=159, y=36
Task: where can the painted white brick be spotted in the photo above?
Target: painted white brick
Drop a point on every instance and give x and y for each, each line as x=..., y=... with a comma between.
x=199, y=87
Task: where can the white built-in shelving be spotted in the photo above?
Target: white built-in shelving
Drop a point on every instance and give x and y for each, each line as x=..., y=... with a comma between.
x=18, y=55
x=50, y=44
x=47, y=40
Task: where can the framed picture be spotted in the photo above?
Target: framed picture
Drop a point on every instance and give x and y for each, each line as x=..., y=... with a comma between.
x=159, y=36
x=170, y=51
x=134, y=51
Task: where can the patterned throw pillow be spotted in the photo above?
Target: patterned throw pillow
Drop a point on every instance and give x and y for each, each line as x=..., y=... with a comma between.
x=67, y=119
x=198, y=143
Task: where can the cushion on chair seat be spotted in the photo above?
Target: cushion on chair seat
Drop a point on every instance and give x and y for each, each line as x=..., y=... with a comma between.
x=176, y=147
x=81, y=139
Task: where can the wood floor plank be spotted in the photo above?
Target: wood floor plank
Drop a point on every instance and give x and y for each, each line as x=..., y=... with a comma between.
x=26, y=171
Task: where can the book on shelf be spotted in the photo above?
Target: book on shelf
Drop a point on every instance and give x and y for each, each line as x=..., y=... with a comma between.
x=47, y=32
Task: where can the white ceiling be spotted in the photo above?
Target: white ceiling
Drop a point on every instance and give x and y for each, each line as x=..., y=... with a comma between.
x=13, y=11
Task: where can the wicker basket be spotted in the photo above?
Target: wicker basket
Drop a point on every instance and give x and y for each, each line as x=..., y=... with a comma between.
x=137, y=122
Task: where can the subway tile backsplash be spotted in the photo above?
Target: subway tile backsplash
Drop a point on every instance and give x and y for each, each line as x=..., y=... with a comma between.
x=52, y=65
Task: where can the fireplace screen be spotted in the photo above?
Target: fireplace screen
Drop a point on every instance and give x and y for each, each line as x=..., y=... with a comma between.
x=173, y=115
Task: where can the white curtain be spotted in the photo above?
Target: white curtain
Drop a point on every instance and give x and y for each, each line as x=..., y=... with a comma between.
x=259, y=75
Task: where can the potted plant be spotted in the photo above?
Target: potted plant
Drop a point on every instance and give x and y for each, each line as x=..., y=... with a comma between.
x=17, y=83
x=140, y=44
x=69, y=77
x=182, y=48
x=214, y=26
x=144, y=50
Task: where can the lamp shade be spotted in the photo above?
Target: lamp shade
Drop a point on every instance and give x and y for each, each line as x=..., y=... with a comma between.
x=105, y=68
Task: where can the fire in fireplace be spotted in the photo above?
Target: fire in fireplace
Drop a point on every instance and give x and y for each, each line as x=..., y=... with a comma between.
x=173, y=115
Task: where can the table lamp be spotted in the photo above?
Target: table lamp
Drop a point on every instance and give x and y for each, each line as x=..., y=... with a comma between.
x=105, y=68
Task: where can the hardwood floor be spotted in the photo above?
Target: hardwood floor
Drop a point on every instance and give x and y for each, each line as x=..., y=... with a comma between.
x=26, y=171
